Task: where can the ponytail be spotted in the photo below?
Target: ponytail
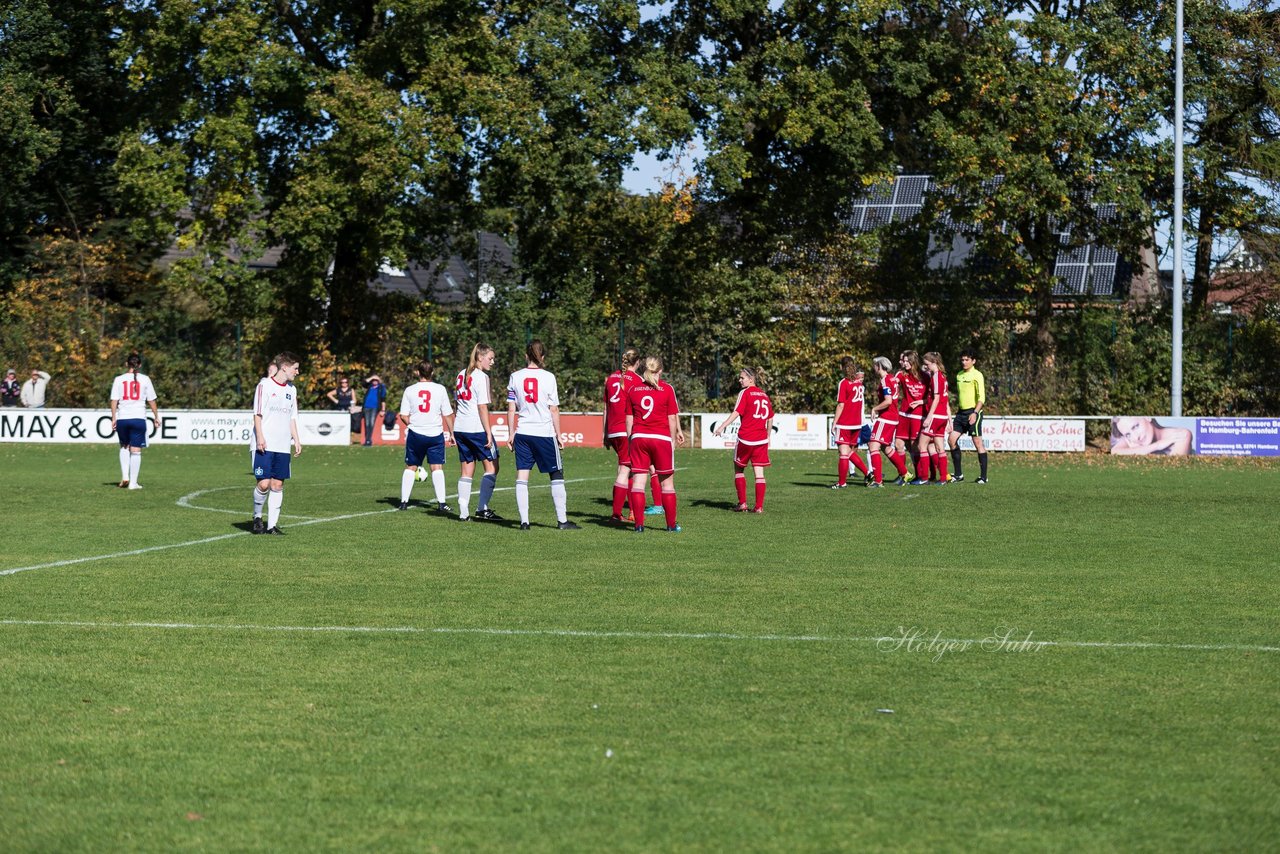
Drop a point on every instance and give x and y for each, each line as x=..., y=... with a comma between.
x=629, y=358
x=936, y=358
x=652, y=370
x=133, y=363
x=849, y=366
x=476, y=352
x=537, y=352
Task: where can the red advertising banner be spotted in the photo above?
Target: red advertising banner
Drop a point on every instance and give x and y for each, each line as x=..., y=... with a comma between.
x=576, y=430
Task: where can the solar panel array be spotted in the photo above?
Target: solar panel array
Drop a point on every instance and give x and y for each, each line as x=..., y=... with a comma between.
x=1081, y=270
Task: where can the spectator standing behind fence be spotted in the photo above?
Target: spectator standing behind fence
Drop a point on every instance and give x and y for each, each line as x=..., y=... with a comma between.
x=33, y=389
x=10, y=389
x=375, y=404
x=343, y=398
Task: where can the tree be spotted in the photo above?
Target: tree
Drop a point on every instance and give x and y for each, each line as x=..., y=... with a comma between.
x=1062, y=100
x=1233, y=129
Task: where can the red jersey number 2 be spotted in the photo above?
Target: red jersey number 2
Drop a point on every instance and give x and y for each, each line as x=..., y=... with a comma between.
x=531, y=389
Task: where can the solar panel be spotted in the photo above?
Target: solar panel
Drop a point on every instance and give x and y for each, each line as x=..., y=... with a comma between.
x=1084, y=270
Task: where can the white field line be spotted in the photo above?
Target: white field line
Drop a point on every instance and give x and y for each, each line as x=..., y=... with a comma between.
x=893, y=642
x=185, y=501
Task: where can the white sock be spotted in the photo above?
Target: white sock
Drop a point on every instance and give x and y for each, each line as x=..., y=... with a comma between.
x=464, y=497
x=406, y=484
x=273, y=507
x=135, y=463
x=437, y=480
x=124, y=463
x=560, y=499
x=522, y=500
x=259, y=498
x=487, y=483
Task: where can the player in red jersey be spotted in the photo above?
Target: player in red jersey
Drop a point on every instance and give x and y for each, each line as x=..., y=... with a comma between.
x=847, y=424
x=756, y=411
x=616, y=406
x=937, y=419
x=885, y=428
x=653, y=431
x=911, y=408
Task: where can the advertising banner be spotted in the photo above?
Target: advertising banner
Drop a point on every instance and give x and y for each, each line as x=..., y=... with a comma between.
x=1141, y=435
x=1029, y=434
x=1214, y=437
x=177, y=427
x=804, y=432
x=1238, y=437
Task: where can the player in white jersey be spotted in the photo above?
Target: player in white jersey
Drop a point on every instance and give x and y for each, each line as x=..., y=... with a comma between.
x=131, y=394
x=275, y=427
x=533, y=416
x=427, y=416
x=473, y=434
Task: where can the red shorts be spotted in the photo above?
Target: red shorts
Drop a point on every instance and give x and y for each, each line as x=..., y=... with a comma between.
x=848, y=435
x=751, y=455
x=619, y=444
x=883, y=431
x=647, y=451
x=908, y=428
x=936, y=425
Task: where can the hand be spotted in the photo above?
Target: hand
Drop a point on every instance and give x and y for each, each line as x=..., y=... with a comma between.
x=297, y=449
x=973, y=418
x=679, y=437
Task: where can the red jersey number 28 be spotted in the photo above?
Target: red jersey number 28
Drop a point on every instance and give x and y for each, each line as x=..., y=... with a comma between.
x=531, y=389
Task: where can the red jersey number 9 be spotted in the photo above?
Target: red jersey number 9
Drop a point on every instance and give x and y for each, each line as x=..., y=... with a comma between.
x=531, y=389
x=425, y=395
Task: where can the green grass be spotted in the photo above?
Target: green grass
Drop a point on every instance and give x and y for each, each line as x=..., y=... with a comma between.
x=238, y=734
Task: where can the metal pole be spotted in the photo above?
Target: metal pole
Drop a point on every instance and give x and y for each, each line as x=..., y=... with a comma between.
x=1176, y=385
x=431, y=328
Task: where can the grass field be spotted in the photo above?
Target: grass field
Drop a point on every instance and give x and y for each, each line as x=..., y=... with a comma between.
x=403, y=682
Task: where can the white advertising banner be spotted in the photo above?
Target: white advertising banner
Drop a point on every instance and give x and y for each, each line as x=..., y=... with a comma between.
x=803, y=432
x=1029, y=434
x=177, y=426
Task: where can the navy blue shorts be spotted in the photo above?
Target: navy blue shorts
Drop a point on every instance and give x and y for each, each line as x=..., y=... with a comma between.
x=273, y=465
x=132, y=432
x=472, y=447
x=537, y=449
x=418, y=447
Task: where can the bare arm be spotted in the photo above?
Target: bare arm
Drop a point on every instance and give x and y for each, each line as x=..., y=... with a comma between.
x=293, y=434
x=511, y=425
x=724, y=425
x=555, y=424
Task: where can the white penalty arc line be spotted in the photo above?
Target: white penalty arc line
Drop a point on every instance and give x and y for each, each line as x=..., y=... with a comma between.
x=893, y=643
x=219, y=537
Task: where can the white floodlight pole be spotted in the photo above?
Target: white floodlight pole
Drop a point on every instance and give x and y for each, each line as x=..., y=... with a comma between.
x=1176, y=386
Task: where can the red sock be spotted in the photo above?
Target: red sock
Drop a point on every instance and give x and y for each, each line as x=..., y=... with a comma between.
x=656, y=488
x=900, y=463
x=637, y=505
x=877, y=467
x=619, y=498
x=842, y=471
x=856, y=459
x=915, y=462
x=669, y=505
x=941, y=466
x=760, y=487
x=740, y=484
